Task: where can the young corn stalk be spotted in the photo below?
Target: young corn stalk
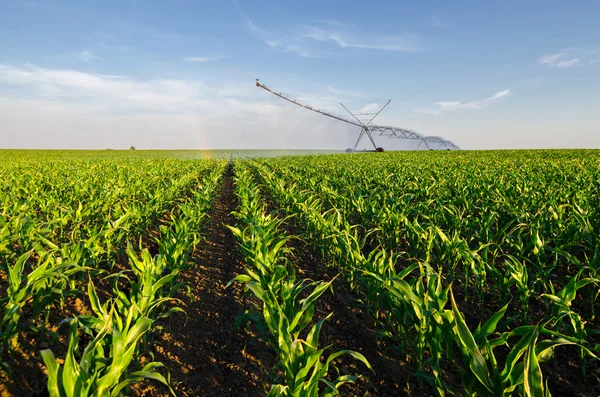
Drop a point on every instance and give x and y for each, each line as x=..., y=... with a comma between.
x=521, y=371
x=35, y=288
x=102, y=369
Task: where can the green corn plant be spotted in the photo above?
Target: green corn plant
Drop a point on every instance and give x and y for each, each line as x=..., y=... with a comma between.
x=265, y=249
x=590, y=268
x=483, y=375
x=304, y=370
x=287, y=317
x=382, y=264
x=34, y=288
x=102, y=369
x=520, y=277
x=563, y=316
x=146, y=293
x=417, y=308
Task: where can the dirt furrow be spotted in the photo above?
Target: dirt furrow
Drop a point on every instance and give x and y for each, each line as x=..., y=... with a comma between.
x=205, y=355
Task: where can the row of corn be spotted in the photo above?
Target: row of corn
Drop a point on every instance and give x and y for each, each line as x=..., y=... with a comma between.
x=288, y=303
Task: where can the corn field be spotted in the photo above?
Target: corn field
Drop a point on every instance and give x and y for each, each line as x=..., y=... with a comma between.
x=470, y=273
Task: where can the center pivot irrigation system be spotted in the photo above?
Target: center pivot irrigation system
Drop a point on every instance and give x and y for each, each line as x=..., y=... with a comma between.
x=430, y=142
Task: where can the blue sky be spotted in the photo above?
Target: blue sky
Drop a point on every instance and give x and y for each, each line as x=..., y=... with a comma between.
x=179, y=74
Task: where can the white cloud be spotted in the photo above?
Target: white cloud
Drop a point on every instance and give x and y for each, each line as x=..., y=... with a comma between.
x=301, y=51
x=551, y=58
x=568, y=63
x=406, y=43
x=106, y=92
x=272, y=43
x=88, y=56
x=437, y=22
x=571, y=57
x=370, y=108
x=456, y=105
x=279, y=44
x=200, y=59
x=254, y=27
x=558, y=60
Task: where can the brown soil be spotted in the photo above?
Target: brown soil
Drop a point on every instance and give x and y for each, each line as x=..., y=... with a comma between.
x=205, y=355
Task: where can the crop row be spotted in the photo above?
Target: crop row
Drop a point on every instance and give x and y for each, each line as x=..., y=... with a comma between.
x=288, y=303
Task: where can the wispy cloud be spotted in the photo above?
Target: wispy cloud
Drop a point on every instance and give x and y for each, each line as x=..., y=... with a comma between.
x=437, y=22
x=370, y=108
x=571, y=57
x=88, y=56
x=345, y=39
x=559, y=60
x=106, y=92
x=123, y=94
x=300, y=51
x=333, y=22
x=250, y=24
x=254, y=27
x=272, y=43
x=441, y=107
x=200, y=59
x=323, y=38
x=283, y=45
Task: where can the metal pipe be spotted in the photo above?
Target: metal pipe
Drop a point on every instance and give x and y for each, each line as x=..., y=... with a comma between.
x=306, y=106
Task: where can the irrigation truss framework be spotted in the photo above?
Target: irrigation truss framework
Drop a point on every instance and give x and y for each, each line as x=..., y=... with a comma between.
x=430, y=142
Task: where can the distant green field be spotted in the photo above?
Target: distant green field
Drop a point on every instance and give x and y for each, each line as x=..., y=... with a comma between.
x=18, y=154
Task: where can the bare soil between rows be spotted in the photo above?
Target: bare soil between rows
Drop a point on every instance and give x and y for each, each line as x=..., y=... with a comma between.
x=204, y=353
